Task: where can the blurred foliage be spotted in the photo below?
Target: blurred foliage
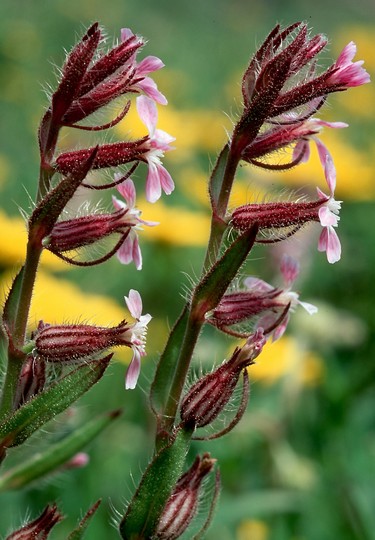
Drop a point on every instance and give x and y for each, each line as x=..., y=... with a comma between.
x=301, y=463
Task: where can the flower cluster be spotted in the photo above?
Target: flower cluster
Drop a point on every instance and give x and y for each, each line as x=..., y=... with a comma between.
x=281, y=92
x=90, y=80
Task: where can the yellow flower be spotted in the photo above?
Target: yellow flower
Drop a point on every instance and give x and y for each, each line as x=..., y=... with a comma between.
x=176, y=224
x=13, y=240
x=252, y=529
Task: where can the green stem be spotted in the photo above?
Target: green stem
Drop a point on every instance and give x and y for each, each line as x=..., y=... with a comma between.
x=218, y=223
x=191, y=337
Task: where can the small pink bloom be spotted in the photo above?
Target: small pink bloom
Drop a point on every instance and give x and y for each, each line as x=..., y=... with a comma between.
x=329, y=211
x=130, y=250
x=346, y=73
x=138, y=337
x=79, y=342
x=269, y=306
x=158, y=142
x=140, y=70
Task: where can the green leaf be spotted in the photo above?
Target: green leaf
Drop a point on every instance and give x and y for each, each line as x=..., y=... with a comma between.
x=165, y=371
x=217, y=176
x=11, y=303
x=210, y=290
x=46, y=405
x=55, y=455
x=79, y=532
x=157, y=484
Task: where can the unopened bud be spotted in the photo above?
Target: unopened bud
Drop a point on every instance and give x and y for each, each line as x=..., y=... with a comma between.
x=182, y=505
x=78, y=461
x=208, y=397
x=277, y=215
x=31, y=381
x=62, y=343
x=40, y=527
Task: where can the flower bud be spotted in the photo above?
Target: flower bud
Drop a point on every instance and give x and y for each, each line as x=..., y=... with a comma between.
x=208, y=397
x=64, y=343
x=182, y=505
x=31, y=381
x=40, y=527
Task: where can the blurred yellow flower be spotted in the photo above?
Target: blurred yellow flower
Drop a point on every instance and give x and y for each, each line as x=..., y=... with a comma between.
x=194, y=129
x=252, y=529
x=13, y=240
x=58, y=300
x=286, y=358
x=176, y=224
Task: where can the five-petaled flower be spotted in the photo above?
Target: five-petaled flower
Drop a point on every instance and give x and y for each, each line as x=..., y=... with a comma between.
x=130, y=250
x=259, y=302
x=286, y=218
x=78, y=342
x=158, y=142
x=138, y=337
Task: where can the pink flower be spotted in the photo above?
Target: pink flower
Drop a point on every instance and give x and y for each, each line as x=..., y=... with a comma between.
x=329, y=210
x=79, y=342
x=308, y=131
x=141, y=83
x=138, y=337
x=345, y=73
x=269, y=306
x=158, y=142
x=130, y=250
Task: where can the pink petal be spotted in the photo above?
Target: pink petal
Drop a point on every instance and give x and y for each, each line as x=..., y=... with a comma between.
x=136, y=254
x=289, y=269
x=163, y=139
x=326, y=217
x=148, y=86
x=302, y=147
x=328, y=166
x=149, y=64
x=133, y=371
x=148, y=113
x=347, y=54
x=134, y=303
x=329, y=242
x=166, y=181
x=153, y=185
x=257, y=285
x=127, y=190
x=119, y=205
x=125, y=252
x=126, y=33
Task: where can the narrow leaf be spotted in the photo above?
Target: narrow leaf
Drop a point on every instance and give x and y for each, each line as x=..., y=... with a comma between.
x=165, y=371
x=214, y=284
x=46, y=405
x=217, y=176
x=11, y=303
x=55, y=455
x=158, y=481
x=79, y=532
